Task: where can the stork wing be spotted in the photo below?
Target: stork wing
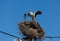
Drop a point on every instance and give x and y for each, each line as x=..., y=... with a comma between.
x=29, y=14
x=24, y=15
x=37, y=13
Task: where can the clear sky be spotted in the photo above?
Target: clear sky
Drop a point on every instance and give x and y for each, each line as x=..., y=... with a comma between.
x=11, y=12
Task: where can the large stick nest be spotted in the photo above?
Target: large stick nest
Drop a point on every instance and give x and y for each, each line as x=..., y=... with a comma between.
x=31, y=29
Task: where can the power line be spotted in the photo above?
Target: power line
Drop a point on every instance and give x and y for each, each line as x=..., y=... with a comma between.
x=50, y=37
x=8, y=34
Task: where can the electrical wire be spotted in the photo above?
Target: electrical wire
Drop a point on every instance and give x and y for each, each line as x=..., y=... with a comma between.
x=8, y=34
x=23, y=38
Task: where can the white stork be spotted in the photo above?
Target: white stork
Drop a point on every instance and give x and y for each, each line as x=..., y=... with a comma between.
x=33, y=15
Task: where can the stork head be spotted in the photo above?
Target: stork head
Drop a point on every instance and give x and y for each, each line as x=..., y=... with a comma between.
x=31, y=13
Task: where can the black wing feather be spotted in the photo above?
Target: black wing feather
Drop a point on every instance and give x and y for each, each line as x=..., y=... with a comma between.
x=29, y=14
x=25, y=15
x=37, y=13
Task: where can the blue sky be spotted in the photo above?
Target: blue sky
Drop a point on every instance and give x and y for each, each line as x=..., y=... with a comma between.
x=11, y=12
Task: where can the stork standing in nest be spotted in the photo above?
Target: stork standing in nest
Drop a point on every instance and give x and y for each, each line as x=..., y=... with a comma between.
x=33, y=15
x=28, y=27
